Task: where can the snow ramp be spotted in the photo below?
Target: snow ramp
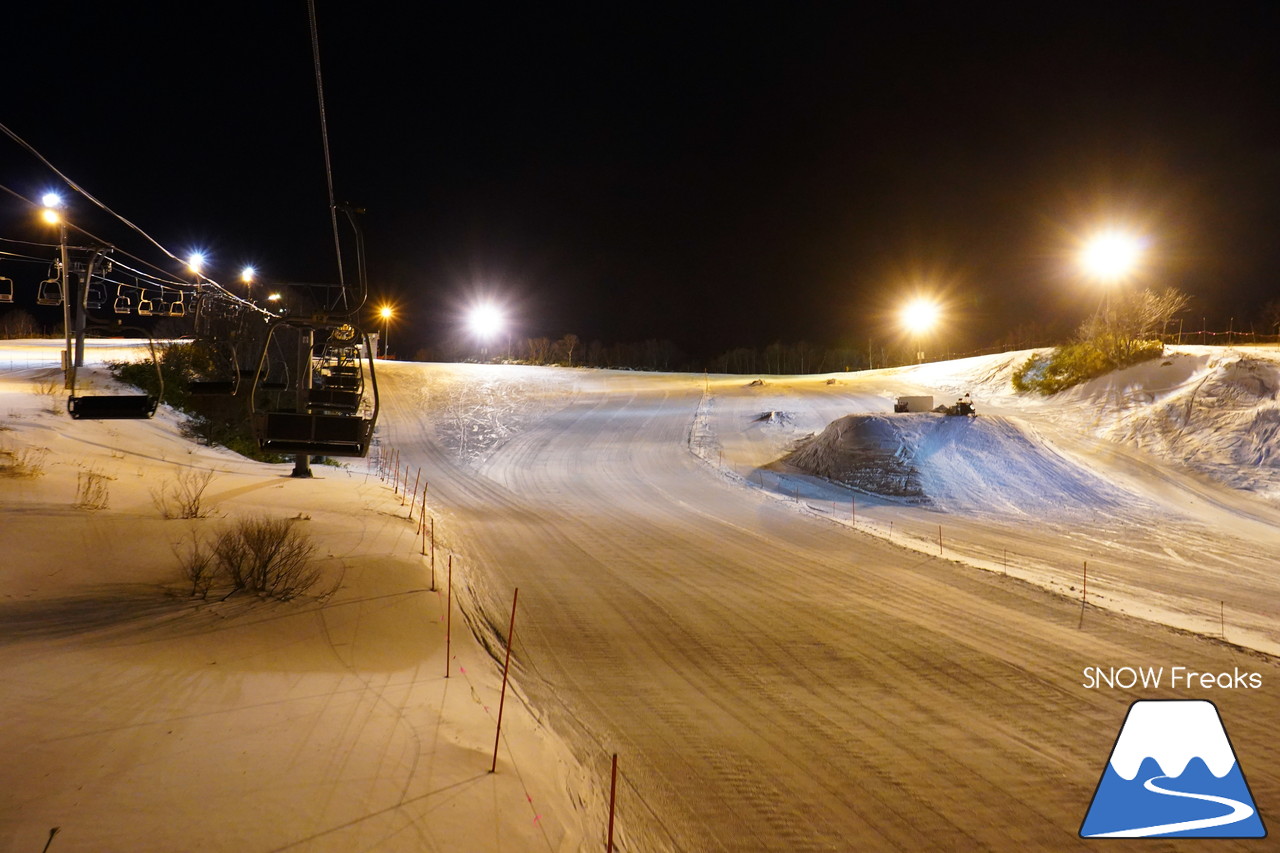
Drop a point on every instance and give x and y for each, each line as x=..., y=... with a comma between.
x=984, y=465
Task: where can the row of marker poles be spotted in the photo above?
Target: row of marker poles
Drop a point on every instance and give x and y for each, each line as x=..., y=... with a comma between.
x=426, y=525
x=1084, y=582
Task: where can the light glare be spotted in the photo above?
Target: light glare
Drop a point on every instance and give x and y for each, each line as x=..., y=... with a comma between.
x=50, y=215
x=195, y=261
x=1111, y=255
x=51, y=200
x=920, y=315
x=485, y=321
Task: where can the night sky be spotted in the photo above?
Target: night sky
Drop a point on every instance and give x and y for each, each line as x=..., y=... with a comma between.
x=703, y=173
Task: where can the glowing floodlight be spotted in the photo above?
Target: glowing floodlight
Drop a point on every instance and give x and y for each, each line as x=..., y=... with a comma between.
x=386, y=312
x=195, y=262
x=920, y=315
x=485, y=321
x=247, y=275
x=52, y=200
x=51, y=216
x=1110, y=256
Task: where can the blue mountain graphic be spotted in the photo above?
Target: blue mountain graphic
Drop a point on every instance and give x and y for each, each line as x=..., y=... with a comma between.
x=1121, y=804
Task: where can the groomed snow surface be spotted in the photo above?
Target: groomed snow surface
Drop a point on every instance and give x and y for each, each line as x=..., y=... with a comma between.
x=803, y=622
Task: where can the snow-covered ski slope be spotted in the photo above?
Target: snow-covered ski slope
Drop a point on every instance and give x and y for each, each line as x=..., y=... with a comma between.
x=784, y=663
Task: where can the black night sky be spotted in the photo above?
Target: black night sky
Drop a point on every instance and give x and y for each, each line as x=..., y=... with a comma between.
x=704, y=173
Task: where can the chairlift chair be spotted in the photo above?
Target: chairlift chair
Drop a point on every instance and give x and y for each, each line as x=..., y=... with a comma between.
x=333, y=417
x=96, y=296
x=6, y=289
x=221, y=378
x=116, y=406
x=177, y=308
x=50, y=292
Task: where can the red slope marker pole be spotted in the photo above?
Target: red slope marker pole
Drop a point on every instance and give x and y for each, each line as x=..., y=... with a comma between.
x=422, y=517
x=502, y=697
x=1084, y=589
x=414, y=499
x=613, y=790
x=448, y=621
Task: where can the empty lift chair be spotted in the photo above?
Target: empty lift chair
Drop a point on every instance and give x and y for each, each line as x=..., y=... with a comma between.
x=50, y=292
x=116, y=406
x=335, y=414
x=6, y=289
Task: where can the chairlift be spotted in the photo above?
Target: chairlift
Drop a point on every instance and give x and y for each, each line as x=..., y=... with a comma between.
x=217, y=369
x=96, y=295
x=147, y=303
x=116, y=406
x=6, y=289
x=123, y=304
x=335, y=416
x=50, y=292
x=177, y=308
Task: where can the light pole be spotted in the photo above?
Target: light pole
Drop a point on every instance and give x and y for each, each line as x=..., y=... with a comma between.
x=247, y=276
x=1109, y=257
x=52, y=214
x=919, y=316
x=385, y=312
x=485, y=321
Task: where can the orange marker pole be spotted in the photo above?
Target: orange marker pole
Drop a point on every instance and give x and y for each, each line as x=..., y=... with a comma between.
x=502, y=698
x=448, y=620
x=613, y=790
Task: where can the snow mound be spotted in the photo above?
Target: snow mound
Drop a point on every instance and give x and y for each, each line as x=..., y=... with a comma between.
x=984, y=465
x=868, y=452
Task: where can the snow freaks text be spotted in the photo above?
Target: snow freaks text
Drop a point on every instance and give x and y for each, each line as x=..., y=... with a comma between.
x=1175, y=677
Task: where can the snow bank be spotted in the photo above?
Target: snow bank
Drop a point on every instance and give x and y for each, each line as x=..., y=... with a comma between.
x=1215, y=412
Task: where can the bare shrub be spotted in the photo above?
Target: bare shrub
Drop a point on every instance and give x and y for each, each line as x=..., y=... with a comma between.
x=199, y=567
x=183, y=497
x=270, y=557
x=23, y=462
x=51, y=389
x=91, y=490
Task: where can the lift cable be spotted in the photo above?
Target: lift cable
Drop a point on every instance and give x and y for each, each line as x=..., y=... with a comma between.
x=202, y=279
x=324, y=138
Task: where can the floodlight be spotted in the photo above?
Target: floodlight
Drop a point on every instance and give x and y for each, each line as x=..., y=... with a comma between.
x=920, y=315
x=1111, y=255
x=485, y=320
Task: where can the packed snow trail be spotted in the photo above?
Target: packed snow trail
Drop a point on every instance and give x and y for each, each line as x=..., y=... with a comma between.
x=770, y=680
